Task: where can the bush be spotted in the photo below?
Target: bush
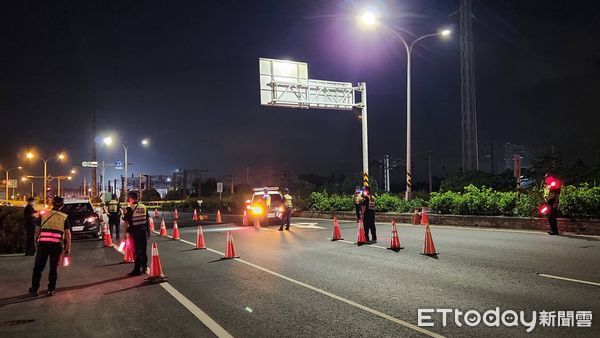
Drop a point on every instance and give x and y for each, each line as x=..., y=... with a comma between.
x=474, y=201
x=12, y=230
x=580, y=201
x=322, y=201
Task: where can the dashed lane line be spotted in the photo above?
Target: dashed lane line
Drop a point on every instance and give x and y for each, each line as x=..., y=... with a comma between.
x=329, y=294
x=212, y=325
x=568, y=279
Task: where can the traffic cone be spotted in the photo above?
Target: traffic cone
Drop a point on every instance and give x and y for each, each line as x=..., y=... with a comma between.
x=230, y=249
x=428, y=246
x=155, y=212
x=151, y=222
x=361, y=238
x=128, y=251
x=156, y=274
x=337, y=234
x=416, y=218
x=245, y=219
x=256, y=223
x=175, y=235
x=195, y=218
x=424, y=218
x=176, y=214
x=200, y=239
x=219, y=220
x=108, y=238
x=395, y=241
x=163, y=228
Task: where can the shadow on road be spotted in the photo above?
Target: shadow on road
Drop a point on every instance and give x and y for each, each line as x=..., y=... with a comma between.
x=585, y=238
x=145, y=283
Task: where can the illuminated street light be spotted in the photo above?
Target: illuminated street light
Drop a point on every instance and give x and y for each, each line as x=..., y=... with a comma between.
x=368, y=19
x=145, y=142
x=107, y=140
x=59, y=157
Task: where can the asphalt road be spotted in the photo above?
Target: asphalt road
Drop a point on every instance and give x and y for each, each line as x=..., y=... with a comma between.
x=299, y=283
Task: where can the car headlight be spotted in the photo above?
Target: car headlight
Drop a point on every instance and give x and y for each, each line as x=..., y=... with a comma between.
x=91, y=219
x=256, y=210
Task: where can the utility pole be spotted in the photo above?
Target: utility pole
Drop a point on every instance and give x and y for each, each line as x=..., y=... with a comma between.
x=492, y=159
x=386, y=169
x=470, y=147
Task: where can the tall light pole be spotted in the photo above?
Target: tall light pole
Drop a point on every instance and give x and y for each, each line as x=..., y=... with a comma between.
x=369, y=19
x=59, y=178
x=59, y=157
x=7, y=178
x=108, y=140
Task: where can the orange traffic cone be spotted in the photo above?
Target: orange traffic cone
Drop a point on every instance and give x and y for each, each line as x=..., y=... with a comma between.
x=175, y=235
x=128, y=251
x=256, y=223
x=163, y=228
x=108, y=238
x=424, y=218
x=416, y=218
x=245, y=219
x=155, y=212
x=361, y=238
x=200, y=239
x=156, y=274
x=151, y=223
x=176, y=214
x=195, y=218
x=230, y=250
x=428, y=246
x=337, y=234
x=395, y=241
x=219, y=220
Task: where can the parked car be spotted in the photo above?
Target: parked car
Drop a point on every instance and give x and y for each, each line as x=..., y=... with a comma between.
x=256, y=205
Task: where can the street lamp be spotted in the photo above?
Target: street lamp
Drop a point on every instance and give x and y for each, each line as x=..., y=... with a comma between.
x=7, y=179
x=108, y=140
x=59, y=178
x=23, y=179
x=369, y=19
x=59, y=157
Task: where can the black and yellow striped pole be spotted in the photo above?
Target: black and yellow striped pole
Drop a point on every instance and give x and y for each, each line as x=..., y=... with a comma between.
x=362, y=86
x=365, y=179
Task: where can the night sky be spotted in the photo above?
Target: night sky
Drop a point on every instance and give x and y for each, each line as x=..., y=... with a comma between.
x=185, y=74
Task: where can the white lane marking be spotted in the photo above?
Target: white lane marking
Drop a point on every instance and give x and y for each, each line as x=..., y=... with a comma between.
x=307, y=225
x=329, y=294
x=213, y=326
x=569, y=279
x=354, y=243
x=217, y=329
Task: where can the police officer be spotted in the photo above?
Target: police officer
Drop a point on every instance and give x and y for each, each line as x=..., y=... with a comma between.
x=53, y=234
x=30, y=221
x=368, y=215
x=114, y=217
x=136, y=216
x=357, y=198
x=288, y=208
x=551, y=196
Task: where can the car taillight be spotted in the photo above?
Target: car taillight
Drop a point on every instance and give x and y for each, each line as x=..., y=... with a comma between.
x=257, y=210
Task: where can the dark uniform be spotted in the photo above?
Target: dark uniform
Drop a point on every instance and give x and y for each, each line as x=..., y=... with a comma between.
x=287, y=213
x=114, y=218
x=53, y=226
x=137, y=218
x=368, y=207
x=551, y=196
x=30, y=221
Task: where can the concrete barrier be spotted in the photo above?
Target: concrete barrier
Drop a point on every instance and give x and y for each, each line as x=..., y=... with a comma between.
x=578, y=226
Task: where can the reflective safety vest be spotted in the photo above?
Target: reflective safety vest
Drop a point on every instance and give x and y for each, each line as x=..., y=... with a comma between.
x=371, y=203
x=113, y=207
x=139, y=217
x=357, y=199
x=52, y=227
x=287, y=200
x=267, y=200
